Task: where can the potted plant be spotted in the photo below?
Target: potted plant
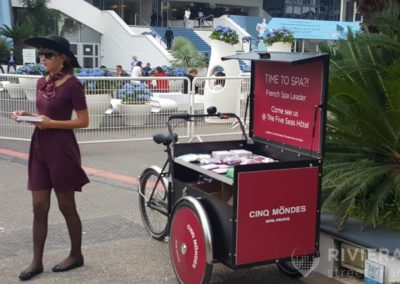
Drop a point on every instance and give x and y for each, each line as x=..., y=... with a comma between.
x=28, y=83
x=222, y=45
x=250, y=43
x=225, y=34
x=98, y=93
x=279, y=39
x=95, y=86
x=135, y=103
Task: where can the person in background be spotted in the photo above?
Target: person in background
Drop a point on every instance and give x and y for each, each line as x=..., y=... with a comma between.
x=137, y=70
x=11, y=61
x=134, y=62
x=161, y=85
x=192, y=73
x=200, y=15
x=159, y=21
x=120, y=72
x=220, y=83
x=169, y=37
x=186, y=18
x=153, y=18
x=146, y=69
x=54, y=156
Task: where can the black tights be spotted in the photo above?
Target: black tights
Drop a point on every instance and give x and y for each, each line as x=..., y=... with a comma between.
x=67, y=206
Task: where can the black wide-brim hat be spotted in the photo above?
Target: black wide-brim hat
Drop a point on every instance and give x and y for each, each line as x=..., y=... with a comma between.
x=56, y=43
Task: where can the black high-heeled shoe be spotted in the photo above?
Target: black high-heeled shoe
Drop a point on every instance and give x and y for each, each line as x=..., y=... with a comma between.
x=27, y=275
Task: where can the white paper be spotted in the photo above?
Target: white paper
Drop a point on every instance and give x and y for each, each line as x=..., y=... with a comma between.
x=30, y=118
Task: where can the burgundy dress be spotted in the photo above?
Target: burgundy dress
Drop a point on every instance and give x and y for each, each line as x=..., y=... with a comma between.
x=54, y=156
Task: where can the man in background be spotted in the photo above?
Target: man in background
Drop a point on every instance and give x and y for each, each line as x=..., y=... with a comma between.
x=120, y=72
x=147, y=69
x=11, y=61
x=153, y=18
x=169, y=37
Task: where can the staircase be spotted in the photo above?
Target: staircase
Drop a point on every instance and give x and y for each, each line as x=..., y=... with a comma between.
x=200, y=44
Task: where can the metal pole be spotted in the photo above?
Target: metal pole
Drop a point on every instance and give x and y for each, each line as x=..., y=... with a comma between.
x=342, y=16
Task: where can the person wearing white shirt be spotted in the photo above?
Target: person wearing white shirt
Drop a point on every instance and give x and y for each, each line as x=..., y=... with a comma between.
x=137, y=71
x=186, y=18
x=134, y=61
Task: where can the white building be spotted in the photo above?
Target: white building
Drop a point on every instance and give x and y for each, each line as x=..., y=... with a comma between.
x=109, y=32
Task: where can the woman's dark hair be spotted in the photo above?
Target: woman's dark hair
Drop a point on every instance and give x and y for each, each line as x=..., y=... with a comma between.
x=139, y=63
x=159, y=69
x=68, y=67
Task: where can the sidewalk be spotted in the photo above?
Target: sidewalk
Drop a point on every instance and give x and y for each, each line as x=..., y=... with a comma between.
x=116, y=247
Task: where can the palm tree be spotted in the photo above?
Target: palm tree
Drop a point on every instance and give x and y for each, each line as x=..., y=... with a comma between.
x=42, y=19
x=362, y=169
x=186, y=55
x=18, y=33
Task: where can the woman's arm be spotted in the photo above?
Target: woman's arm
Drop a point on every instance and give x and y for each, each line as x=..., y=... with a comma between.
x=82, y=121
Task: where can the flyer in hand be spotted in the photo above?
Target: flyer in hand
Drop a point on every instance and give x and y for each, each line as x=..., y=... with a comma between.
x=30, y=118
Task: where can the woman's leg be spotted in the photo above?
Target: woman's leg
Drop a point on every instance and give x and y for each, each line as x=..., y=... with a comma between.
x=41, y=206
x=67, y=206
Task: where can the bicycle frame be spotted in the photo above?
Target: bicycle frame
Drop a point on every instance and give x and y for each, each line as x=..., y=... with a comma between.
x=169, y=140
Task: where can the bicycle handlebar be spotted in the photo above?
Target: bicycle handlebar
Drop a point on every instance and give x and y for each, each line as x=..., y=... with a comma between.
x=211, y=112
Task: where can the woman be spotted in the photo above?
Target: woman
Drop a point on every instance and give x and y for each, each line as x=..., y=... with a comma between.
x=161, y=85
x=54, y=156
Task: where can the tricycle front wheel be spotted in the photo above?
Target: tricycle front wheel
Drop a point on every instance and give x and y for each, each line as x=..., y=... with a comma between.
x=190, y=242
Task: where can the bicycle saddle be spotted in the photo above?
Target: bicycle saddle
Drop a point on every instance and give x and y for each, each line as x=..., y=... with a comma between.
x=165, y=139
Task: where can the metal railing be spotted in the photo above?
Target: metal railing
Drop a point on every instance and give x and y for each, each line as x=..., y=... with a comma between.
x=112, y=118
x=147, y=25
x=203, y=22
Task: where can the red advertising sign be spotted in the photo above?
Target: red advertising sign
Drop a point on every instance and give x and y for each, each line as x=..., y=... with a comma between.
x=277, y=214
x=287, y=100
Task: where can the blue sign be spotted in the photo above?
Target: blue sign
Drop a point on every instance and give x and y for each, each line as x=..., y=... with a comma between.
x=373, y=273
x=315, y=29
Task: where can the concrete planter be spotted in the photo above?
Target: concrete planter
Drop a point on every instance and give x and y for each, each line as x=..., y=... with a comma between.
x=225, y=98
x=15, y=90
x=97, y=105
x=29, y=86
x=135, y=115
x=280, y=47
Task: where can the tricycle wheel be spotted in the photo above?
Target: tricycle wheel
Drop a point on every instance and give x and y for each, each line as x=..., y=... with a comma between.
x=191, y=242
x=298, y=266
x=153, y=202
x=288, y=269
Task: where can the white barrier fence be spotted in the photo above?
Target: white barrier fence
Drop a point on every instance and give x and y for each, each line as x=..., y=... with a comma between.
x=119, y=111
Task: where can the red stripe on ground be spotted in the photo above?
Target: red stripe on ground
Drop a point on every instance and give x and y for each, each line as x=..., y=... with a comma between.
x=110, y=175
x=13, y=154
x=89, y=171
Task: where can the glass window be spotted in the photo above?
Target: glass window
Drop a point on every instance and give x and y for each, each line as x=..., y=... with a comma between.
x=88, y=62
x=89, y=35
x=87, y=49
x=74, y=48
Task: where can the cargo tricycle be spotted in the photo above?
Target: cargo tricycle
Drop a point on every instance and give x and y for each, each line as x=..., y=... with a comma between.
x=251, y=201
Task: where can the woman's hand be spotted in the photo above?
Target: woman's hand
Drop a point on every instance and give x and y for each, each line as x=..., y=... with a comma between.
x=17, y=113
x=45, y=123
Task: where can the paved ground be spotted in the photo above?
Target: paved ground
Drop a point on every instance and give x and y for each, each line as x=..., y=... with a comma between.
x=116, y=247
